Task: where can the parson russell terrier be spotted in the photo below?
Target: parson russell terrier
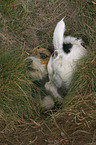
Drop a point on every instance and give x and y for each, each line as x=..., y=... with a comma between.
x=61, y=65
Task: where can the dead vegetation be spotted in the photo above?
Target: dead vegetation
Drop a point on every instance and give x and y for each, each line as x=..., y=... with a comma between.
x=24, y=25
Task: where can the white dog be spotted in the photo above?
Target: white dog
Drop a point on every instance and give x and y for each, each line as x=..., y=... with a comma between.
x=62, y=64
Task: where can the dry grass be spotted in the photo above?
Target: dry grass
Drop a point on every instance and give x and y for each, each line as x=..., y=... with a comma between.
x=24, y=25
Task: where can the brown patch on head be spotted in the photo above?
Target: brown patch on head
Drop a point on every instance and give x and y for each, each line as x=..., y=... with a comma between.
x=43, y=54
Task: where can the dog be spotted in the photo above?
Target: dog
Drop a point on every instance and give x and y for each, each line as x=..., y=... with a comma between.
x=37, y=63
x=63, y=62
x=56, y=71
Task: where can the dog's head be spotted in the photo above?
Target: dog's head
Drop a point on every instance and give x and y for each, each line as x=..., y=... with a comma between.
x=37, y=63
x=43, y=54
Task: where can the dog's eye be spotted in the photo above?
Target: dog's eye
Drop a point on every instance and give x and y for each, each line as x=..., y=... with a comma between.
x=43, y=56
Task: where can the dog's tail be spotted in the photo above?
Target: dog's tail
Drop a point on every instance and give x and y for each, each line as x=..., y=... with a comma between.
x=58, y=35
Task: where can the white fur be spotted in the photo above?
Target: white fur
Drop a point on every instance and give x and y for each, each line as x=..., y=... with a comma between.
x=47, y=102
x=62, y=67
x=39, y=70
x=58, y=35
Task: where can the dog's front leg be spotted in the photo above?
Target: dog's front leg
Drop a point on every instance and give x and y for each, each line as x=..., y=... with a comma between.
x=52, y=89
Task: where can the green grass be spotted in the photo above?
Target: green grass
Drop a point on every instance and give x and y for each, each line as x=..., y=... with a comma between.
x=16, y=98
x=28, y=24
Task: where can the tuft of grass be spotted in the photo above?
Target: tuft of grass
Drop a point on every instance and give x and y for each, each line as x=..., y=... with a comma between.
x=16, y=94
x=84, y=78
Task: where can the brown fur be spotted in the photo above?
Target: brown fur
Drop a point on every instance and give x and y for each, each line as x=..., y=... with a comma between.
x=37, y=52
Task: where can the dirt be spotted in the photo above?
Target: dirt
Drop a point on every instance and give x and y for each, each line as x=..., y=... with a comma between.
x=56, y=132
